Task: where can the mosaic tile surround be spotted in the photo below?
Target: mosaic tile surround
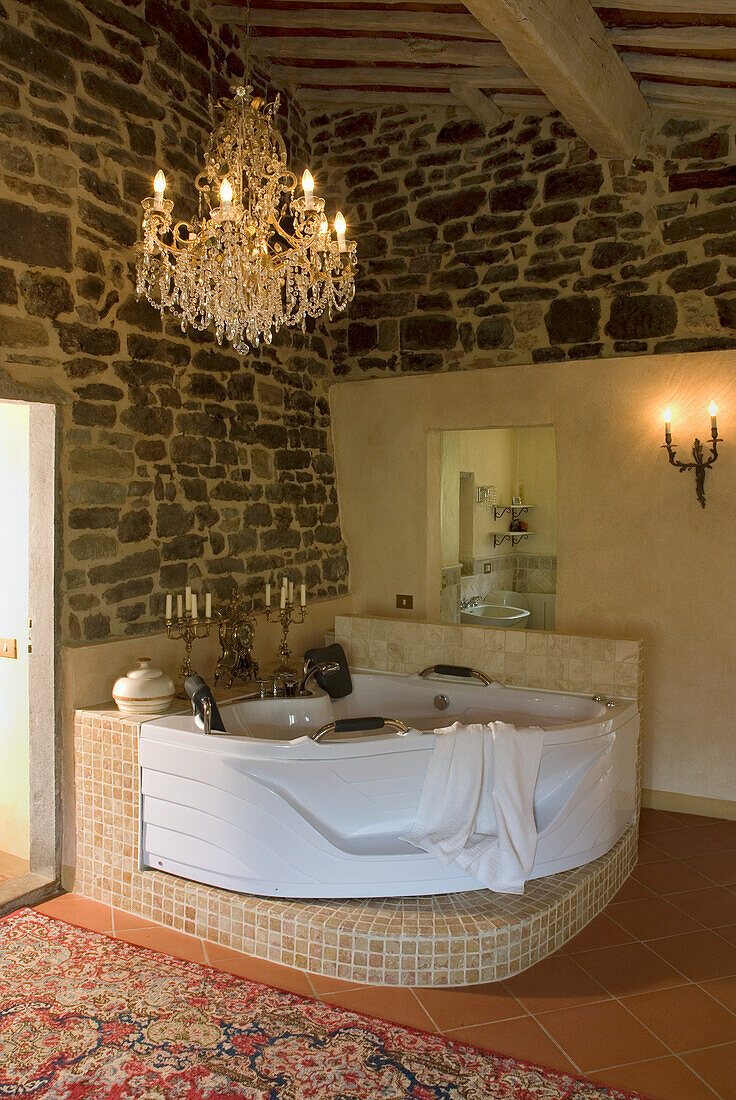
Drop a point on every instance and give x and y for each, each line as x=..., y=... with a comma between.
x=455, y=939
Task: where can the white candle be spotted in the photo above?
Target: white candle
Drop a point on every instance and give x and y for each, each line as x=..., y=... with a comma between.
x=226, y=195
x=169, y=605
x=187, y=599
x=208, y=606
x=340, y=230
x=178, y=606
x=291, y=591
x=283, y=598
x=159, y=186
x=268, y=593
x=194, y=605
x=303, y=596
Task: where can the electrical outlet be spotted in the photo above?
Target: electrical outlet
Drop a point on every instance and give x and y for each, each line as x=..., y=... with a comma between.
x=405, y=602
x=9, y=648
x=486, y=567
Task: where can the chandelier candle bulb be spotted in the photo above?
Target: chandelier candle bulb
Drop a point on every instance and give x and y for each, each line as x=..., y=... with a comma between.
x=169, y=605
x=340, y=230
x=159, y=186
x=179, y=608
x=283, y=598
x=208, y=606
x=308, y=186
x=668, y=425
x=187, y=599
x=226, y=196
x=712, y=409
x=291, y=591
x=194, y=606
x=303, y=595
x=268, y=594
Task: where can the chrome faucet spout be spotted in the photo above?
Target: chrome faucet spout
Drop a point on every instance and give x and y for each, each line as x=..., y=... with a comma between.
x=310, y=671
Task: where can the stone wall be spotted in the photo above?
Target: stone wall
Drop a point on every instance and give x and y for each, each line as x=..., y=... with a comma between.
x=180, y=460
x=517, y=245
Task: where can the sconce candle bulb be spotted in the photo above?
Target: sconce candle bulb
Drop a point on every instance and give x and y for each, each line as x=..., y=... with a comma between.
x=308, y=187
x=159, y=186
x=668, y=425
x=226, y=195
x=340, y=230
x=713, y=409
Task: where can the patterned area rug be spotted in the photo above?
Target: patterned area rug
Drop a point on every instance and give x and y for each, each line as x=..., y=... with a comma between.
x=85, y=1016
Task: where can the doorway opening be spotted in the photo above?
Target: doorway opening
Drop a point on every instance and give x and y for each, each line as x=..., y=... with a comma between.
x=29, y=865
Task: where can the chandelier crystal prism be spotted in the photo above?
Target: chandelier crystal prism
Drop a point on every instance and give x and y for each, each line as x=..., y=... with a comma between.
x=258, y=258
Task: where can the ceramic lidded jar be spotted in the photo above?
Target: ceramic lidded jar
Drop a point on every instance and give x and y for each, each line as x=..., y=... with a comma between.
x=145, y=691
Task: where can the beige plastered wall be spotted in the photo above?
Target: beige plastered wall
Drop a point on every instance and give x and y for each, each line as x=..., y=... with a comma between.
x=638, y=556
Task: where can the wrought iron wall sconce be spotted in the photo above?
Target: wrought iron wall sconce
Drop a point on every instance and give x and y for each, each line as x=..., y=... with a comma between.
x=700, y=463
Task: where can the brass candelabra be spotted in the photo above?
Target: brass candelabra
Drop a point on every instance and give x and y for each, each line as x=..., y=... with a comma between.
x=186, y=628
x=286, y=615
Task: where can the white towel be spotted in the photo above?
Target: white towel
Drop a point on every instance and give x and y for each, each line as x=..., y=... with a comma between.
x=477, y=802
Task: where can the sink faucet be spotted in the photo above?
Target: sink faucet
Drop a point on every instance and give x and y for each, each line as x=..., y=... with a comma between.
x=471, y=601
x=310, y=671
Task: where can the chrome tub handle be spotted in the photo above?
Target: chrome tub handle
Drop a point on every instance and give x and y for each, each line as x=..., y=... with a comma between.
x=456, y=670
x=360, y=725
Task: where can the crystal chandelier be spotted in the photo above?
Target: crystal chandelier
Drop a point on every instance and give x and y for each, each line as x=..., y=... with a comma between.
x=258, y=257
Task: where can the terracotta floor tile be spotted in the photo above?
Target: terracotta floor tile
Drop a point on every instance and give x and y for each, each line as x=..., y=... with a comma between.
x=669, y=877
x=713, y=906
x=699, y=955
x=126, y=922
x=724, y=990
x=722, y=831
x=557, y=982
x=660, y=1079
x=719, y=866
x=632, y=889
x=684, y=1018
x=716, y=1066
x=83, y=912
x=474, y=1004
x=631, y=968
x=694, y=820
x=686, y=842
x=601, y=932
x=648, y=853
x=166, y=940
x=651, y=918
x=395, y=1004
x=323, y=985
x=657, y=821
x=522, y=1038
x=257, y=970
x=602, y=1035
x=728, y=932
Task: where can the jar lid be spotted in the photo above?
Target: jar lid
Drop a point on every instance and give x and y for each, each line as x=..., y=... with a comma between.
x=144, y=671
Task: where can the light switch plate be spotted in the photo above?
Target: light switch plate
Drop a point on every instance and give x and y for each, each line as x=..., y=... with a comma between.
x=8, y=647
x=406, y=603
x=486, y=567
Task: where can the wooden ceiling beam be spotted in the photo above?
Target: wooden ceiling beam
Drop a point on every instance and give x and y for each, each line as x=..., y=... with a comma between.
x=512, y=104
x=338, y=98
x=674, y=38
x=688, y=68
x=359, y=19
x=562, y=46
x=478, y=103
x=671, y=7
x=709, y=102
x=384, y=76
x=384, y=50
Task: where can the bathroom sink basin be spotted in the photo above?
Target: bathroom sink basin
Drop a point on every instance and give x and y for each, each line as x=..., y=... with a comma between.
x=492, y=614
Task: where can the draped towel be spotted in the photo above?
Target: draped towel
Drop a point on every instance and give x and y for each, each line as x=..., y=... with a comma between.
x=477, y=802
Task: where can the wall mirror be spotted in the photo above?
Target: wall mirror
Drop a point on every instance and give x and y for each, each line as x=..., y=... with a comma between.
x=498, y=519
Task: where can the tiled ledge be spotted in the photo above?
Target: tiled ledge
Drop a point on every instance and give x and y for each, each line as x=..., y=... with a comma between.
x=531, y=658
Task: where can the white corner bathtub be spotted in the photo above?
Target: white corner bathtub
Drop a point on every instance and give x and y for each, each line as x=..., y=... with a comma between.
x=267, y=810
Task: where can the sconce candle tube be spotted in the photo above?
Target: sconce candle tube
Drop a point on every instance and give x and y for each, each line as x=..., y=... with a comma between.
x=712, y=409
x=667, y=425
